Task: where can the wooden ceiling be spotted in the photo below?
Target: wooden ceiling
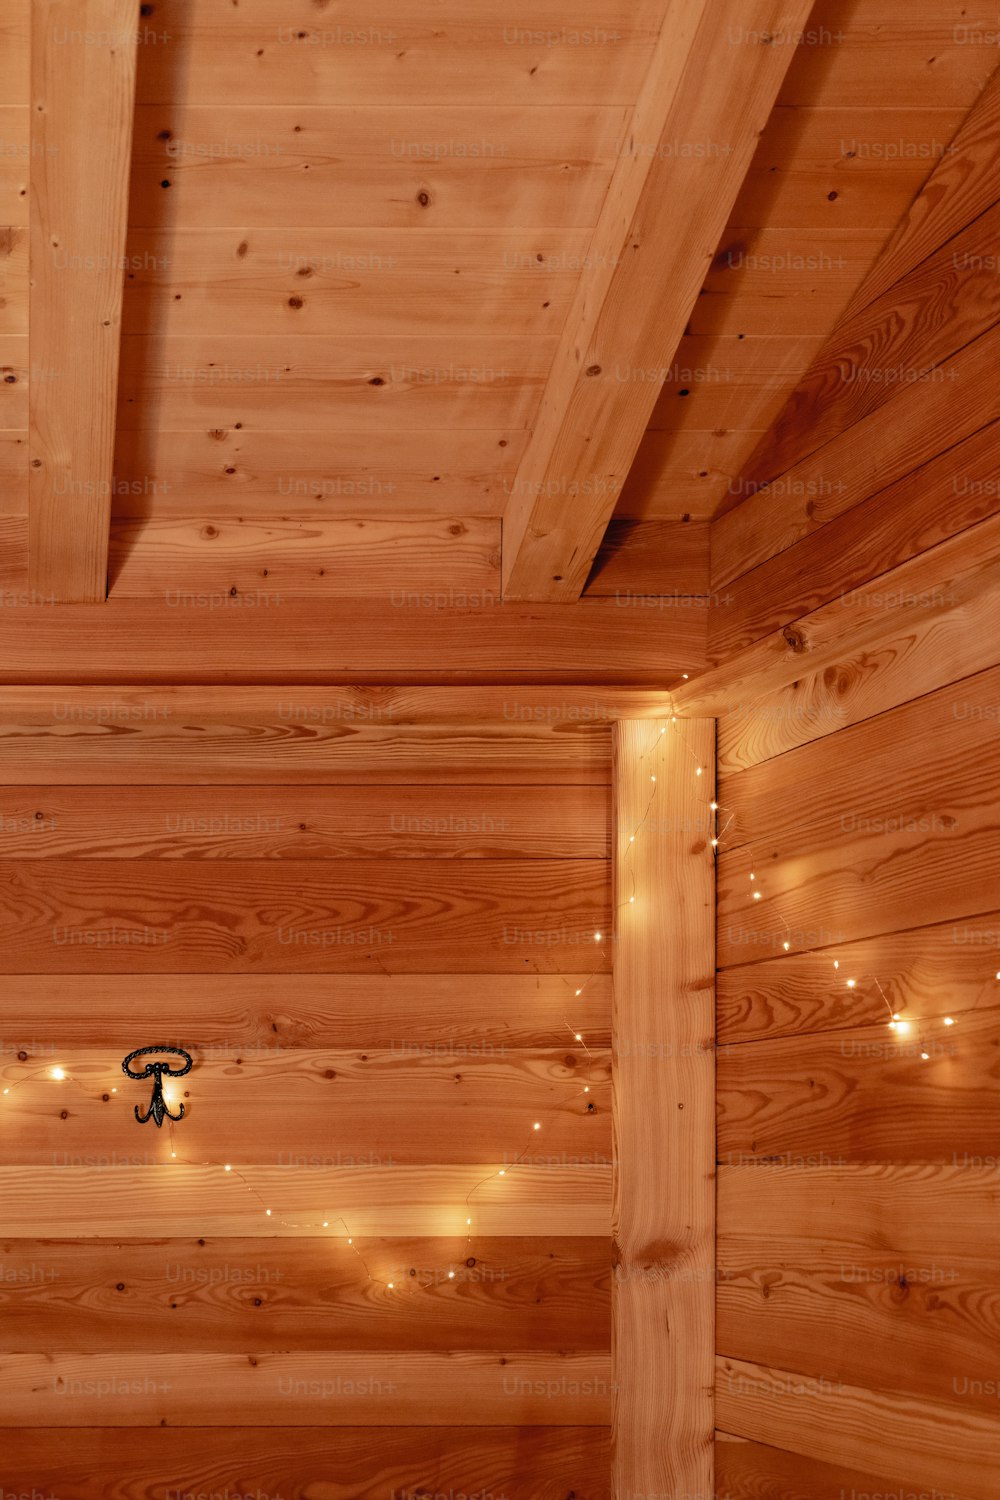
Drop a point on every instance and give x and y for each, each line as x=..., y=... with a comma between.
x=438, y=303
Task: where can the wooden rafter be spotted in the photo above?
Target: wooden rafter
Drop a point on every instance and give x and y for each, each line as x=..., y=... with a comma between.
x=83, y=65
x=713, y=80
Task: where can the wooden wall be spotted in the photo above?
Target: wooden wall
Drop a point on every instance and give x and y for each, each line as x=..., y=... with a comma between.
x=858, y=693
x=375, y=970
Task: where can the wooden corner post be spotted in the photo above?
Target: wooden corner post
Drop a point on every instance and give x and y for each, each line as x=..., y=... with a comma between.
x=664, y=1111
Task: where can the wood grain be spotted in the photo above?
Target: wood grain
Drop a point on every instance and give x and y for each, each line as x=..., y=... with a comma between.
x=536, y=1463
x=295, y=556
x=948, y=1446
x=219, y=1296
x=663, y=1036
x=951, y=492
x=407, y=822
x=268, y=52
x=427, y=640
x=413, y=1104
x=380, y=916
x=306, y=1389
x=748, y=1470
x=227, y=472
x=258, y=1013
x=924, y=971
x=114, y=1201
x=83, y=64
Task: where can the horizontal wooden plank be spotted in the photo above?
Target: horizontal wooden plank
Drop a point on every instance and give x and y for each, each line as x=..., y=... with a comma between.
x=227, y=472
x=771, y=280
x=87, y=1202
x=684, y=471
x=937, y=60
x=384, y=916
x=852, y=856
x=304, y=1294
x=267, y=52
x=946, y=1445
x=722, y=381
x=337, y=166
x=653, y=558
x=923, y=1092
x=414, y=1104
x=951, y=492
x=260, y=1014
x=289, y=555
x=308, y=381
x=306, y=1389
x=924, y=971
x=427, y=640
x=858, y=1211
x=75, y=735
x=746, y=1470
x=523, y=1463
x=895, y=1316
x=323, y=823
x=364, y=281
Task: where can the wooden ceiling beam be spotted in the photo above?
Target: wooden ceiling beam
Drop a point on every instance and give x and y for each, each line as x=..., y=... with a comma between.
x=218, y=636
x=83, y=66
x=713, y=80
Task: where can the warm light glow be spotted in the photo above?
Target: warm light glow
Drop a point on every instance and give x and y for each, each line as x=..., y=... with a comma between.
x=715, y=843
x=537, y=1125
x=698, y=771
x=502, y=1172
x=949, y=1020
x=631, y=901
x=228, y=1167
x=58, y=1073
x=597, y=937
x=587, y=1089
x=268, y=1212
x=326, y=1223
x=903, y=1026
x=786, y=946
x=851, y=983
x=652, y=778
x=925, y=1055
x=578, y=1036
x=579, y=992
x=756, y=895
x=836, y=963
x=714, y=806
x=391, y=1284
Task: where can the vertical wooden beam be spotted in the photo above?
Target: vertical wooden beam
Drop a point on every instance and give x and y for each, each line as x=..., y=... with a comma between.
x=83, y=64
x=664, y=1111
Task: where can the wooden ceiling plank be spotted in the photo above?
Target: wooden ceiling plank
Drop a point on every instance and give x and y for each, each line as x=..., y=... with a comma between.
x=83, y=65
x=633, y=302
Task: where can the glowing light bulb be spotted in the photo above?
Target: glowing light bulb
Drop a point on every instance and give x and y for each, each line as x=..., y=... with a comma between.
x=451, y=1276
x=756, y=895
x=578, y=1036
x=468, y=1221
x=579, y=992
x=537, y=1125
x=391, y=1285
x=752, y=875
x=836, y=963
x=663, y=731
x=587, y=1089
x=851, y=983
x=698, y=771
x=349, y=1240
x=502, y=1172
x=903, y=1026
x=228, y=1168
x=652, y=778
x=715, y=843
x=786, y=946
x=58, y=1073
x=268, y=1212
x=925, y=1055
x=714, y=806
x=631, y=901
x=631, y=838
x=597, y=937
x=326, y=1223
x=949, y=1020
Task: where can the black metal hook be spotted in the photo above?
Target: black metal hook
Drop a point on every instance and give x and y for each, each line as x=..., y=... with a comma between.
x=158, y=1110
